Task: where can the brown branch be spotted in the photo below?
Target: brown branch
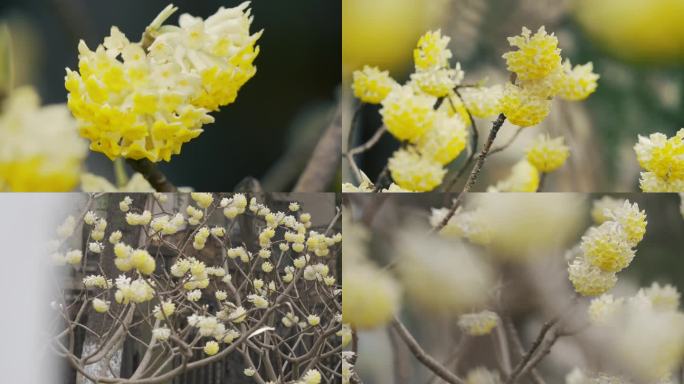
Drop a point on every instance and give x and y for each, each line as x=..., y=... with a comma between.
x=474, y=174
x=518, y=370
x=325, y=160
x=152, y=174
x=474, y=142
x=422, y=356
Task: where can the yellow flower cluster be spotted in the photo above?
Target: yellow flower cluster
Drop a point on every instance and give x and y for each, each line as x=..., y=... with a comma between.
x=415, y=172
x=483, y=102
x=541, y=75
x=470, y=225
x=370, y=296
x=39, y=146
x=478, y=324
x=372, y=85
x=524, y=177
x=436, y=135
x=146, y=102
x=548, y=154
x=607, y=249
x=128, y=258
x=663, y=160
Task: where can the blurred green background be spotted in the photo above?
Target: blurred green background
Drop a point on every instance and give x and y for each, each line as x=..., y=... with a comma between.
x=636, y=46
x=283, y=108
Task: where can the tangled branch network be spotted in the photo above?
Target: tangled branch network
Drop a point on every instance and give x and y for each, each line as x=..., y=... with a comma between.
x=195, y=279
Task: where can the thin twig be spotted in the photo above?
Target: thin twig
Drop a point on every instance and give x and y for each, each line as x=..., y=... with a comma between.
x=422, y=356
x=542, y=178
x=363, y=148
x=474, y=143
x=325, y=160
x=517, y=345
x=474, y=173
x=152, y=174
x=508, y=143
x=517, y=371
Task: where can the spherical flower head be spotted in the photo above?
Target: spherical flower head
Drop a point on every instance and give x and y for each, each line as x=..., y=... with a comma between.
x=481, y=375
x=431, y=51
x=313, y=320
x=523, y=107
x=547, y=154
x=579, y=81
x=650, y=182
x=661, y=155
x=601, y=209
x=73, y=257
x=537, y=55
x=632, y=220
x=663, y=298
x=483, y=102
x=218, y=51
x=204, y=200
x=603, y=308
x=370, y=296
x=478, y=324
x=589, y=280
x=211, y=348
x=161, y=334
x=133, y=106
x=407, y=114
x=446, y=140
x=607, y=248
x=312, y=376
x=414, y=172
x=100, y=306
x=524, y=177
x=471, y=225
x=371, y=85
x=438, y=82
x=165, y=311
x=39, y=146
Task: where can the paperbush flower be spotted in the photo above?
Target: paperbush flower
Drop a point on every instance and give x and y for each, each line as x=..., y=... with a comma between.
x=602, y=309
x=371, y=85
x=445, y=141
x=662, y=298
x=663, y=160
x=39, y=146
x=438, y=82
x=589, y=280
x=537, y=55
x=539, y=76
x=414, y=172
x=219, y=51
x=524, y=177
x=406, y=114
x=100, y=306
x=579, y=81
x=432, y=51
x=602, y=208
x=370, y=296
x=481, y=375
x=211, y=348
x=548, y=154
x=478, y=324
x=607, y=248
x=523, y=107
x=483, y=102
x=470, y=225
x=141, y=102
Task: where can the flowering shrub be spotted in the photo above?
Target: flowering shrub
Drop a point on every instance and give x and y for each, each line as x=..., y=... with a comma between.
x=485, y=296
x=433, y=113
x=192, y=279
x=145, y=100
